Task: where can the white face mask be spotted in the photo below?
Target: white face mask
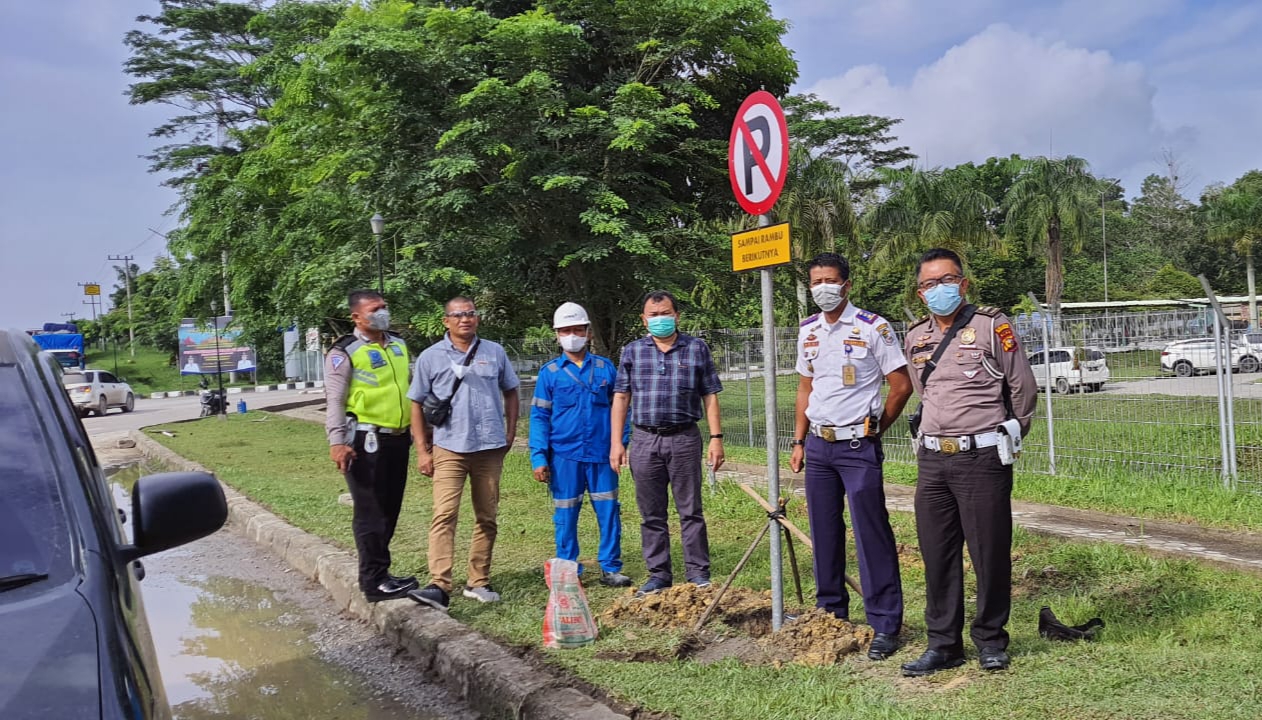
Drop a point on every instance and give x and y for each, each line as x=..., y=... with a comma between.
x=827, y=296
x=458, y=368
x=572, y=343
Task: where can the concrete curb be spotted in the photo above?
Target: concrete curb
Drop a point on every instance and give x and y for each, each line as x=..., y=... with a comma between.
x=314, y=385
x=489, y=678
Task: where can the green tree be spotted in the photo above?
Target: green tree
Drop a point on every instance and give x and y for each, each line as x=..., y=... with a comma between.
x=525, y=153
x=923, y=209
x=1172, y=283
x=1235, y=217
x=816, y=204
x=1051, y=203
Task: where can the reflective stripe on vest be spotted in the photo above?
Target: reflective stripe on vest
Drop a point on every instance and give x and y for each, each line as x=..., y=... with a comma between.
x=378, y=395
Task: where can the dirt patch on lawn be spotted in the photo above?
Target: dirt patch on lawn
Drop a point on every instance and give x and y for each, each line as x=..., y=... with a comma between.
x=740, y=628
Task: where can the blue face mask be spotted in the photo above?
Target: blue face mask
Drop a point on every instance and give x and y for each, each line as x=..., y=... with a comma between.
x=662, y=326
x=943, y=299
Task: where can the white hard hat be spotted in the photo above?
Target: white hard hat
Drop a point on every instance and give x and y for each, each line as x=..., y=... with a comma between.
x=569, y=315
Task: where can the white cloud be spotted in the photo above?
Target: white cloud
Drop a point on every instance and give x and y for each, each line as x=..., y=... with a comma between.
x=1003, y=91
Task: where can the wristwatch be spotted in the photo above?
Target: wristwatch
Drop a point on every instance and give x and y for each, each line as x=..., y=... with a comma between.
x=799, y=442
x=716, y=436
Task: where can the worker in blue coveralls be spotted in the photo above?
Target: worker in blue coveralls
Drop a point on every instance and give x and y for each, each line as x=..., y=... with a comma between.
x=569, y=442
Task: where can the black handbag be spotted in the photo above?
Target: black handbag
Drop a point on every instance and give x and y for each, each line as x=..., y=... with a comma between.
x=437, y=411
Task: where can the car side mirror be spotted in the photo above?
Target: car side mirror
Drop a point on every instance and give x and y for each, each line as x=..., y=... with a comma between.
x=172, y=509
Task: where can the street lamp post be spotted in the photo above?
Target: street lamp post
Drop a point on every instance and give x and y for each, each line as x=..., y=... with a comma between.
x=378, y=224
x=223, y=397
x=1105, y=246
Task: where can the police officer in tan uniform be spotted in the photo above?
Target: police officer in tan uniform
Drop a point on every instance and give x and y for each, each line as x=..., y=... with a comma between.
x=979, y=380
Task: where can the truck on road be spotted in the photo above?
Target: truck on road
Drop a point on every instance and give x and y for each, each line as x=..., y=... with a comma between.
x=64, y=342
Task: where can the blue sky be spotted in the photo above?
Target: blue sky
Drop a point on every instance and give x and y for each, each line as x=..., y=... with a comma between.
x=1117, y=82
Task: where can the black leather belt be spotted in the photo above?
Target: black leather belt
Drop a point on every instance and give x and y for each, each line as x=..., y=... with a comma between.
x=666, y=429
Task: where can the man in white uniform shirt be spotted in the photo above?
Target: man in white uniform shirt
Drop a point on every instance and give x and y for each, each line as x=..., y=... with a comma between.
x=844, y=354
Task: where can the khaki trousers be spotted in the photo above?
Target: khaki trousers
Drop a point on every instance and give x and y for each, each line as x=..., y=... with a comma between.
x=450, y=470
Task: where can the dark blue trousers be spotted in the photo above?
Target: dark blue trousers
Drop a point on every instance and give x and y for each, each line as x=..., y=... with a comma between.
x=836, y=472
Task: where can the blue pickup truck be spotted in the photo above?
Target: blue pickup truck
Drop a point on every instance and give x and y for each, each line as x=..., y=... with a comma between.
x=64, y=342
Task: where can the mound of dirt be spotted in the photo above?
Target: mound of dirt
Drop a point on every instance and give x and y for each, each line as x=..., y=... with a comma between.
x=815, y=638
x=682, y=606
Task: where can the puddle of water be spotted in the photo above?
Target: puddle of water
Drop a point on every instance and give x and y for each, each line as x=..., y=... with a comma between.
x=230, y=648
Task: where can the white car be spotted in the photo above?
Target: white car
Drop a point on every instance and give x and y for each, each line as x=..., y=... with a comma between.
x=1186, y=358
x=97, y=391
x=1072, y=369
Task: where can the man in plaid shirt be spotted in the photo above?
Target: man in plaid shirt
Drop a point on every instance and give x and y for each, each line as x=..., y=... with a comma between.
x=668, y=379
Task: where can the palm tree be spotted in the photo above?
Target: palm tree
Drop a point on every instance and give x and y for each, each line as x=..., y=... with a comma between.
x=1052, y=201
x=1235, y=216
x=924, y=209
x=816, y=204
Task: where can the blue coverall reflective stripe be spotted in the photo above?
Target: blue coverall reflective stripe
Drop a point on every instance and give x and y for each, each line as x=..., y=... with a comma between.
x=569, y=433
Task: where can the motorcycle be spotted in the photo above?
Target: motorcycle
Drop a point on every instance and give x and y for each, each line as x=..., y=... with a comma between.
x=212, y=400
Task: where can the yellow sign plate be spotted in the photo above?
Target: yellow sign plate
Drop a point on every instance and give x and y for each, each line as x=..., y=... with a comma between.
x=761, y=247
x=91, y=289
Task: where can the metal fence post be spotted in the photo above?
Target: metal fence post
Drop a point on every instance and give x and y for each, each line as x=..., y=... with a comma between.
x=1226, y=395
x=1047, y=374
x=749, y=394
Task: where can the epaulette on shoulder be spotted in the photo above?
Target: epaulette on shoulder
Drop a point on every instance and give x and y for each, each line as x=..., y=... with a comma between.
x=866, y=316
x=988, y=310
x=920, y=321
x=345, y=341
x=551, y=366
x=809, y=320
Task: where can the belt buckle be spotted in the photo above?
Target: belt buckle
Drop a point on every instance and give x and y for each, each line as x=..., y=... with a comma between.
x=948, y=446
x=828, y=433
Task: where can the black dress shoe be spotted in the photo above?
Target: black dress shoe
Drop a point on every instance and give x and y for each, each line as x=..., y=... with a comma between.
x=993, y=659
x=931, y=662
x=883, y=645
x=409, y=580
x=391, y=589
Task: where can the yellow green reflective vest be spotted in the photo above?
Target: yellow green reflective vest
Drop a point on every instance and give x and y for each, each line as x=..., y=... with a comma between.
x=379, y=381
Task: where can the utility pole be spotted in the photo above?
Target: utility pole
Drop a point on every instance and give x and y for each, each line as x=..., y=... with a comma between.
x=131, y=325
x=69, y=315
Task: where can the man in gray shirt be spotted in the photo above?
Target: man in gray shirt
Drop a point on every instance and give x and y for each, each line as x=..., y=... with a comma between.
x=475, y=375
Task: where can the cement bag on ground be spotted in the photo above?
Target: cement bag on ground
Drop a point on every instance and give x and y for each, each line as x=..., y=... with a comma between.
x=567, y=621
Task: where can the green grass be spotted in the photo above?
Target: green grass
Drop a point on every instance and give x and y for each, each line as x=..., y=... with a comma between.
x=153, y=371
x=1182, y=639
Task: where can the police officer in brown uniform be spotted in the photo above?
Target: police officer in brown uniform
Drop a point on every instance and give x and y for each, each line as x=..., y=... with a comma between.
x=971, y=386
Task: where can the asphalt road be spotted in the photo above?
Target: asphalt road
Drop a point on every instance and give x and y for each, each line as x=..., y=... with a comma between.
x=156, y=412
x=1243, y=386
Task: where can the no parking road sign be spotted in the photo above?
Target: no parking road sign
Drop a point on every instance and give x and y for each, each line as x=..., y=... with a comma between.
x=758, y=153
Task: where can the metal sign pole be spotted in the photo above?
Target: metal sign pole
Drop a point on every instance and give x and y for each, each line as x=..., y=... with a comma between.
x=773, y=445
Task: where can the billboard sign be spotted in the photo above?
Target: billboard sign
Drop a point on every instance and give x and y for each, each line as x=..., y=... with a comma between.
x=205, y=352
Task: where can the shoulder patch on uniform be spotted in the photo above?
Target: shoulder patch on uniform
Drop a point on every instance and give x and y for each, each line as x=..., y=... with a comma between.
x=1006, y=337
x=552, y=366
x=866, y=316
x=337, y=360
x=600, y=363
x=809, y=320
x=988, y=310
x=345, y=341
x=886, y=333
